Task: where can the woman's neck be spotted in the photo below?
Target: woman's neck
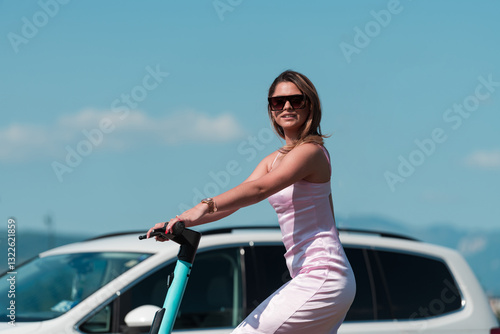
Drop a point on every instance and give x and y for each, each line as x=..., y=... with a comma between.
x=291, y=139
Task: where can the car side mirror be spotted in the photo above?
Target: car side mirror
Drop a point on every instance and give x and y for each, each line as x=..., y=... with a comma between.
x=141, y=316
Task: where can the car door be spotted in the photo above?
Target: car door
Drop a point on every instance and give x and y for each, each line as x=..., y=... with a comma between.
x=213, y=298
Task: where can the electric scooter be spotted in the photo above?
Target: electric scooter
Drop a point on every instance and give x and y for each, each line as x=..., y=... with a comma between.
x=188, y=240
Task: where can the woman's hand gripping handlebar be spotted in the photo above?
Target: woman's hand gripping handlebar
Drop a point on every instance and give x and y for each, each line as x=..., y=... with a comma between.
x=187, y=238
x=161, y=234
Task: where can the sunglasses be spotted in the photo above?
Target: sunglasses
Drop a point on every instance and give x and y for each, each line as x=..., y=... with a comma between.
x=277, y=103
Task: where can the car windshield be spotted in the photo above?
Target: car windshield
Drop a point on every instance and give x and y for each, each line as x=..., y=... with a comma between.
x=47, y=287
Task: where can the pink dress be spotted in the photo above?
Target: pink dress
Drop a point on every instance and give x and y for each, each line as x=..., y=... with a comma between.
x=322, y=288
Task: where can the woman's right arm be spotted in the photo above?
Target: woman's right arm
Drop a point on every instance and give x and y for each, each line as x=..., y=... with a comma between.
x=259, y=171
x=262, y=169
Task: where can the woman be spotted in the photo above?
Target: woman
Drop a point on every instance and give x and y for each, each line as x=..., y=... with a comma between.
x=296, y=181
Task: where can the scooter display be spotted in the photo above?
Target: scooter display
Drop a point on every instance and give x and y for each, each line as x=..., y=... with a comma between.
x=188, y=240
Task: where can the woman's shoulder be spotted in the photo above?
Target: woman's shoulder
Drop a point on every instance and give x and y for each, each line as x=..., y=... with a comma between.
x=311, y=148
x=311, y=152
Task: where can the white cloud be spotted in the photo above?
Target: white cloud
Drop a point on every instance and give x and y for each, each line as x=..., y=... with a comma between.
x=484, y=159
x=472, y=245
x=23, y=142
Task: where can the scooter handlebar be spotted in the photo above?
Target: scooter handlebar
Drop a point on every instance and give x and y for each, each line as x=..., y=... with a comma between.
x=177, y=230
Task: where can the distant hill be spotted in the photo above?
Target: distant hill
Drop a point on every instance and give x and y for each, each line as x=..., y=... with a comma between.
x=481, y=249
x=29, y=244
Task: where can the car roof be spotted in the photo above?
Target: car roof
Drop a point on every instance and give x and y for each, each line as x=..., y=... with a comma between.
x=129, y=241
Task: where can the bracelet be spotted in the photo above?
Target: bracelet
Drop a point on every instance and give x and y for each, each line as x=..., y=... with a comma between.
x=212, y=207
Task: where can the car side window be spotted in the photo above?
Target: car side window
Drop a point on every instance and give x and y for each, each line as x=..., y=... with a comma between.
x=362, y=307
x=100, y=322
x=265, y=271
x=213, y=296
x=417, y=286
x=394, y=285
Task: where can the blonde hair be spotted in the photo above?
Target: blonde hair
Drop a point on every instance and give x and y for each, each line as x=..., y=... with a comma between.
x=310, y=131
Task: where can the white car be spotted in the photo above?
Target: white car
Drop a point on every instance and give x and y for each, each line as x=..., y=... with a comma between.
x=115, y=284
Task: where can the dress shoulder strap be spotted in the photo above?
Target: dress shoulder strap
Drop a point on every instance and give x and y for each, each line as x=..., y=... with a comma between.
x=276, y=158
x=327, y=156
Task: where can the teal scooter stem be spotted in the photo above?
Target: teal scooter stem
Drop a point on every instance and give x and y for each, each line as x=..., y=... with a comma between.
x=188, y=240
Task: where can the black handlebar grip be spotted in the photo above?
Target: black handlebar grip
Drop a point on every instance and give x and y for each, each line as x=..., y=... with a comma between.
x=177, y=230
x=185, y=237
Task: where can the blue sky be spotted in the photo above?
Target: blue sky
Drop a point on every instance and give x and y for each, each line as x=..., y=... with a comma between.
x=116, y=115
